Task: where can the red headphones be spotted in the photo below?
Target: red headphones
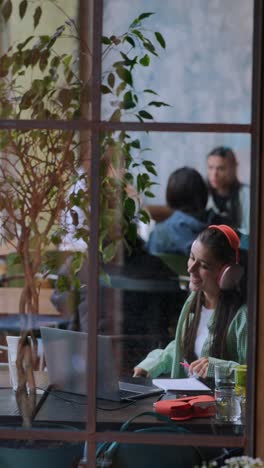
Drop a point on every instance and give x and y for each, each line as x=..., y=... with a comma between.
x=231, y=274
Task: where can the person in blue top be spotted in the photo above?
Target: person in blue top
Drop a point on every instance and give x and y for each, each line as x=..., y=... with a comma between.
x=187, y=196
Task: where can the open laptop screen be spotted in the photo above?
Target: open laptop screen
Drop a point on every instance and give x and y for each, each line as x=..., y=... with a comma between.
x=66, y=352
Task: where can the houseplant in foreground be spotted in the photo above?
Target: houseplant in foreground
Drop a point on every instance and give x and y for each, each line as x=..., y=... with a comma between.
x=41, y=172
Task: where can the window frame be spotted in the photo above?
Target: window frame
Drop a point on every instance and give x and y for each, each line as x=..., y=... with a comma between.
x=254, y=426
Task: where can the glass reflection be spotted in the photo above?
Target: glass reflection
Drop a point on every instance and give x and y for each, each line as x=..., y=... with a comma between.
x=45, y=206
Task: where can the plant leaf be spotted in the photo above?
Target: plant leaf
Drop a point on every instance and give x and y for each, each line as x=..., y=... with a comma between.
x=23, y=44
x=160, y=39
x=106, y=40
x=37, y=16
x=129, y=177
x=125, y=75
x=128, y=102
x=139, y=118
x=150, y=91
x=109, y=252
x=120, y=88
x=144, y=216
x=7, y=10
x=138, y=34
x=115, y=117
x=43, y=62
x=145, y=15
x=139, y=18
x=150, y=47
x=135, y=144
x=145, y=115
x=26, y=100
x=105, y=89
x=149, y=166
x=158, y=104
x=149, y=194
x=145, y=61
x=130, y=207
x=147, y=162
x=23, y=8
x=130, y=41
x=111, y=80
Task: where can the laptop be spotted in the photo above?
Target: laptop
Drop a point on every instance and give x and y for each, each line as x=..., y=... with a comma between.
x=66, y=353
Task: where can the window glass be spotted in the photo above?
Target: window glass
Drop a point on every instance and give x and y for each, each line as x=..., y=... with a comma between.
x=204, y=72
x=40, y=69
x=145, y=281
x=45, y=229
x=185, y=62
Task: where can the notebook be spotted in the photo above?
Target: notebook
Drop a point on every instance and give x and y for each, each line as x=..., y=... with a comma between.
x=66, y=352
x=188, y=384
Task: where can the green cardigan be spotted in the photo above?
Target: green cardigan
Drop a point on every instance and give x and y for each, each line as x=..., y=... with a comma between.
x=165, y=361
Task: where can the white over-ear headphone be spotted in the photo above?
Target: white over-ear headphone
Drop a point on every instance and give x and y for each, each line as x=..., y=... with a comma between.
x=231, y=274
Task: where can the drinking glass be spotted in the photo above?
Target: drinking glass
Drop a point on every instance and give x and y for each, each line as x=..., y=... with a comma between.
x=224, y=376
x=228, y=405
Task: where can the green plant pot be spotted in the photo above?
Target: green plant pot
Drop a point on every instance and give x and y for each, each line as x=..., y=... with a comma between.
x=40, y=454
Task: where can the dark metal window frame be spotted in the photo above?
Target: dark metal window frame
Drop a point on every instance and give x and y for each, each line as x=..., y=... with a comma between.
x=95, y=125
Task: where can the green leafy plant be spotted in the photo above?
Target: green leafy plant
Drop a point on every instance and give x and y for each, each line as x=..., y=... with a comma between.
x=45, y=173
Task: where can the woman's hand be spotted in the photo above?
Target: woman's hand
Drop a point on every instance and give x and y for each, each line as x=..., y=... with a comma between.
x=139, y=372
x=199, y=367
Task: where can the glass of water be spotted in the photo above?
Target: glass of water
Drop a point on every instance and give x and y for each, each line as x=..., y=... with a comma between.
x=228, y=405
x=224, y=376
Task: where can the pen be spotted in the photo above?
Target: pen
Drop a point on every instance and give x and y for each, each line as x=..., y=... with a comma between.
x=185, y=364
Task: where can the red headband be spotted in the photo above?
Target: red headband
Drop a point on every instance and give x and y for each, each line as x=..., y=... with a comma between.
x=231, y=236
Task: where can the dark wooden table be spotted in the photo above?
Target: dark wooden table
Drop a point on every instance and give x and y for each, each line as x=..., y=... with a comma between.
x=70, y=410
x=65, y=408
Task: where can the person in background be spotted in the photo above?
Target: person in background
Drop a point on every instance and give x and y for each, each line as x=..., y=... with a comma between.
x=227, y=195
x=187, y=196
x=213, y=322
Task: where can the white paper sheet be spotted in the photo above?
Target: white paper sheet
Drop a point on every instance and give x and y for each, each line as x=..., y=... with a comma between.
x=190, y=383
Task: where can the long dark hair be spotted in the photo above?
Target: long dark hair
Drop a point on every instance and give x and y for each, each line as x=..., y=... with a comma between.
x=228, y=303
x=235, y=210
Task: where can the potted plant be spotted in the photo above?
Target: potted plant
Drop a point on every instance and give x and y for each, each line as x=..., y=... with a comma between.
x=41, y=172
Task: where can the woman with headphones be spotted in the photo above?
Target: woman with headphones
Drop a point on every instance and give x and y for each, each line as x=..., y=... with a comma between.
x=213, y=322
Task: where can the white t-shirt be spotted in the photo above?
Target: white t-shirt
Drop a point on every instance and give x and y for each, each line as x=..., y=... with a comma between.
x=202, y=330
